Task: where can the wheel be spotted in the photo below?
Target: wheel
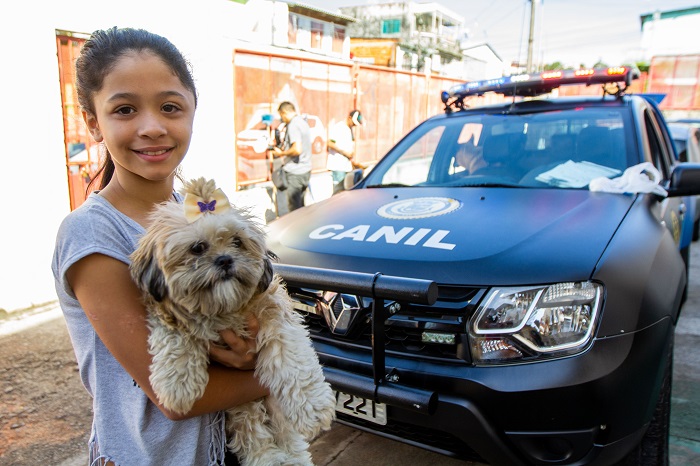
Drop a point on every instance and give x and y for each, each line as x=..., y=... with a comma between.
x=653, y=449
x=685, y=254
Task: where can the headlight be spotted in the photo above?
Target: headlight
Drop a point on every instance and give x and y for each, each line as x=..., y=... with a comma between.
x=531, y=323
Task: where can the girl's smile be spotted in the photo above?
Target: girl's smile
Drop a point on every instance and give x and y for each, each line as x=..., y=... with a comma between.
x=154, y=155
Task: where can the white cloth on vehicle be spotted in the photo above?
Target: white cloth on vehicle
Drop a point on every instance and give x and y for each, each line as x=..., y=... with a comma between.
x=640, y=178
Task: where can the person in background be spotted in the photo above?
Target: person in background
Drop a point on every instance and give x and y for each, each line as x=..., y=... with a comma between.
x=296, y=150
x=341, y=149
x=138, y=100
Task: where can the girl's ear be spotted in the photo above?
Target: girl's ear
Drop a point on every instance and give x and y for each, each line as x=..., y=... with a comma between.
x=93, y=127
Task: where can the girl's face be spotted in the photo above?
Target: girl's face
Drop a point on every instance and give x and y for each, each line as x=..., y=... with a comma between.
x=144, y=116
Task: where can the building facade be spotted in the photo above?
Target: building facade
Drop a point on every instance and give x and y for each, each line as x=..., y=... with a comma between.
x=425, y=37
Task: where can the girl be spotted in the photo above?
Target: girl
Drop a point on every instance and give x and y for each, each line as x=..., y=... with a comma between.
x=138, y=100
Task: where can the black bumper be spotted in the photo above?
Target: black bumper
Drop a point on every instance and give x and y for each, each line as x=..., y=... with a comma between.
x=591, y=408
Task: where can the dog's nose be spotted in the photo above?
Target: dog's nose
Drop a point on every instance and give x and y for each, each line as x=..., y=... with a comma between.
x=224, y=262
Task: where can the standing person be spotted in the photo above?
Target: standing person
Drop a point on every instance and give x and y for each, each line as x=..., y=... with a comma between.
x=138, y=101
x=296, y=150
x=341, y=149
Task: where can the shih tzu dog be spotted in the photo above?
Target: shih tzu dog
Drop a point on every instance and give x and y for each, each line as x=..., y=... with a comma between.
x=203, y=267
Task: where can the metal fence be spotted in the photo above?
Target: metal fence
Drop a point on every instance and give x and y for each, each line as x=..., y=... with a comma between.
x=324, y=91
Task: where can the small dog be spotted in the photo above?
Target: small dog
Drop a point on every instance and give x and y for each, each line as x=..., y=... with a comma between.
x=204, y=267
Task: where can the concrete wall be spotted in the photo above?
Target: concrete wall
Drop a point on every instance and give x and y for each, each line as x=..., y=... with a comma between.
x=34, y=191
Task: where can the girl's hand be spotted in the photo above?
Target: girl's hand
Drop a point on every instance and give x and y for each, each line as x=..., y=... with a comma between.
x=241, y=352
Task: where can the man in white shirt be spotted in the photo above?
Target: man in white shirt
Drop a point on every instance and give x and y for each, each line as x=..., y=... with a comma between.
x=296, y=154
x=341, y=149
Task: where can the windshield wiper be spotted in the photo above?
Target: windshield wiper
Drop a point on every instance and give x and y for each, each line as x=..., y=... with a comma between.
x=390, y=185
x=488, y=185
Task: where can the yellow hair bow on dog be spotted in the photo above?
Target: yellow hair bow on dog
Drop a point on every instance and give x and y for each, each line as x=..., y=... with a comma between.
x=196, y=206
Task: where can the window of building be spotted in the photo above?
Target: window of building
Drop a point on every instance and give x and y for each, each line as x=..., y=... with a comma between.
x=391, y=26
x=338, y=38
x=292, y=29
x=316, y=34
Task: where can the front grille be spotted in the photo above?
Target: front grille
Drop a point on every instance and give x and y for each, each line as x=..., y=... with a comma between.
x=437, y=440
x=403, y=329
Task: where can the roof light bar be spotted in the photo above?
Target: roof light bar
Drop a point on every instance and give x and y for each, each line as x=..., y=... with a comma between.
x=528, y=85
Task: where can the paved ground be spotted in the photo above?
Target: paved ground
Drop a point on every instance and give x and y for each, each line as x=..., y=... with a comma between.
x=45, y=413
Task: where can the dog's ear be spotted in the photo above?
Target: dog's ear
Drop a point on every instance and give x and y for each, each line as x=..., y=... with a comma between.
x=152, y=280
x=268, y=272
x=146, y=273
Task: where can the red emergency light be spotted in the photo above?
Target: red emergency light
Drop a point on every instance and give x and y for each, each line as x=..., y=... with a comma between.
x=529, y=85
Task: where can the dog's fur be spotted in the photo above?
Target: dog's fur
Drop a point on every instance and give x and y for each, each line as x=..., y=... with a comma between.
x=202, y=277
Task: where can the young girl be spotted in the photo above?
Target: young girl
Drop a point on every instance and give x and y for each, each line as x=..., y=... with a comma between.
x=138, y=100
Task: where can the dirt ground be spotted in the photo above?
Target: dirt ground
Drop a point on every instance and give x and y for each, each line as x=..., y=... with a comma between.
x=45, y=413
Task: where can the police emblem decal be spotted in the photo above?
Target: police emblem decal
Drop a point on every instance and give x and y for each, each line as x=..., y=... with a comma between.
x=419, y=207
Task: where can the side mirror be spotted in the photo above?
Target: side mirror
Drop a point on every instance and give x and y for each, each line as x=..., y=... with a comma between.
x=685, y=180
x=352, y=178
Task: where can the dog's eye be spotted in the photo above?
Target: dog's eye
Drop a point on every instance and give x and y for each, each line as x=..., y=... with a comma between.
x=200, y=247
x=236, y=242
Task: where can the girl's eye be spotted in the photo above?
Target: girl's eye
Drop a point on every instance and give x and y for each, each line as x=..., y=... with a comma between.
x=236, y=242
x=170, y=108
x=124, y=110
x=199, y=248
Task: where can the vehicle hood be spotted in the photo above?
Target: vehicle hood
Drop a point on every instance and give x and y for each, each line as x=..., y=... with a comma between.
x=475, y=236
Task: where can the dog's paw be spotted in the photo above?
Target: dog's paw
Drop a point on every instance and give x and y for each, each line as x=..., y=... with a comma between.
x=176, y=397
x=301, y=459
x=317, y=414
x=268, y=456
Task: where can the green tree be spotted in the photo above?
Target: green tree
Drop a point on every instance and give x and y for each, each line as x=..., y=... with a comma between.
x=554, y=66
x=643, y=66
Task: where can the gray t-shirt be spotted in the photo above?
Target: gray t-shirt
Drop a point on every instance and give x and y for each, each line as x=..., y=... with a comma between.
x=298, y=131
x=127, y=427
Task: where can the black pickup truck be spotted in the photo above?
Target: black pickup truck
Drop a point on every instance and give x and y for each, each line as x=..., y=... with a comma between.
x=475, y=295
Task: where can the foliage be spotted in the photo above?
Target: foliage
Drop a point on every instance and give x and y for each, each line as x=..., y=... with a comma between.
x=643, y=66
x=557, y=65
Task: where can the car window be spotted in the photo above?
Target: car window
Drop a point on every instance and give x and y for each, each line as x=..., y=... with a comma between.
x=659, y=157
x=414, y=164
x=563, y=149
x=694, y=147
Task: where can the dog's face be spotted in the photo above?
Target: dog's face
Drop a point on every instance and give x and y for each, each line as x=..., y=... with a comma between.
x=212, y=265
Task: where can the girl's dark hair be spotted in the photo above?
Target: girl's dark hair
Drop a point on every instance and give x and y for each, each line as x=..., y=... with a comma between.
x=99, y=56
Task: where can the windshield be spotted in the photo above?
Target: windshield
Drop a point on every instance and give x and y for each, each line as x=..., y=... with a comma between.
x=562, y=149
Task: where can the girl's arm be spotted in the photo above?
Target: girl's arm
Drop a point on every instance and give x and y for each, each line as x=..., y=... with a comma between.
x=112, y=303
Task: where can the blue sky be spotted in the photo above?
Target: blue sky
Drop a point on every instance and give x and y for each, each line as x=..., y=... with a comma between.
x=573, y=32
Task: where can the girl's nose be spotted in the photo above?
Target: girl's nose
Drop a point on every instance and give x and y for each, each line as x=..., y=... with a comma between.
x=151, y=126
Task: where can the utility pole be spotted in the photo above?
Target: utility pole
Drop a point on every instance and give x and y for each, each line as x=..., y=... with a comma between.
x=531, y=39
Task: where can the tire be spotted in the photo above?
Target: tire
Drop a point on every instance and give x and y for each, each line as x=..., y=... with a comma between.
x=653, y=450
x=696, y=230
x=685, y=254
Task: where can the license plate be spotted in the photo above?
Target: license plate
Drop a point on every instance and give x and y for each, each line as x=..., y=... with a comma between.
x=359, y=407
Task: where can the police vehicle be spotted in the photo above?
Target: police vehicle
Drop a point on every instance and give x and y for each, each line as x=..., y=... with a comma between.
x=473, y=295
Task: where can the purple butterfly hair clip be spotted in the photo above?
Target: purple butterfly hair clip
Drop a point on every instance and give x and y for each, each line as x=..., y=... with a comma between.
x=207, y=206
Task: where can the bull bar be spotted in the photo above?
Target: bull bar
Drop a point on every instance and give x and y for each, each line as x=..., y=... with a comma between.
x=379, y=287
